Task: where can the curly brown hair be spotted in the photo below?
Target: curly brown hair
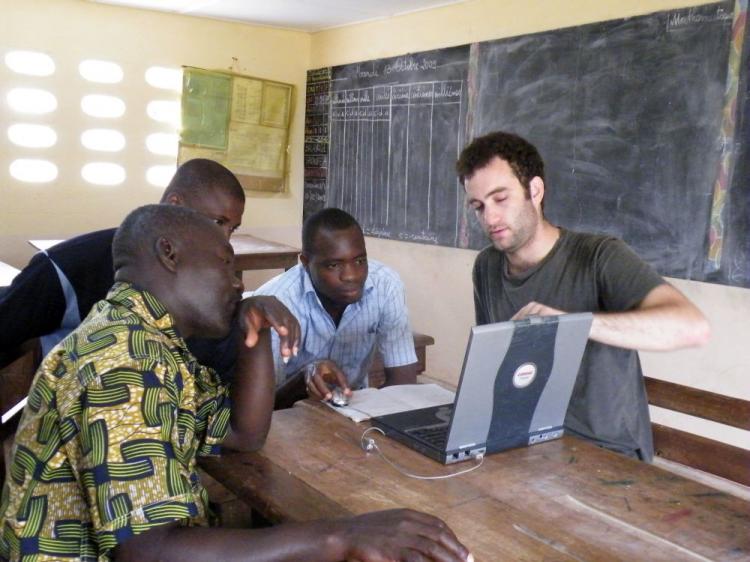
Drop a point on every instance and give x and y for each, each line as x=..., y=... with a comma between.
x=521, y=156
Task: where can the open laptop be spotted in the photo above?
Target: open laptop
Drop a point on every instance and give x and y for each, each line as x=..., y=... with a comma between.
x=515, y=385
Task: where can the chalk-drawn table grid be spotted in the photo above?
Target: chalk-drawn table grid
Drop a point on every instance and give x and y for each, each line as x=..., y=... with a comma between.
x=369, y=171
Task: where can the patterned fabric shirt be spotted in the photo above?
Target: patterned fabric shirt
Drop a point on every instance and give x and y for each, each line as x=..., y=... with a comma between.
x=379, y=318
x=106, y=447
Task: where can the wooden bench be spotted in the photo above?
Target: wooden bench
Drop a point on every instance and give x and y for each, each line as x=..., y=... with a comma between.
x=377, y=370
x=708, y=455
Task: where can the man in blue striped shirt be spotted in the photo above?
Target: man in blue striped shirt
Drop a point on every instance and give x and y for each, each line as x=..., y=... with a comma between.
x=347, y=307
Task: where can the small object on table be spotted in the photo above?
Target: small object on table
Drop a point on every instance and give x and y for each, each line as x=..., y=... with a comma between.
x=338, y=398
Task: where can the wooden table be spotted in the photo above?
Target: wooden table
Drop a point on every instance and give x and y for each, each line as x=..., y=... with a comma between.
x=44, y=244
x=250, y=252
x=562, y=500
x=255, y=253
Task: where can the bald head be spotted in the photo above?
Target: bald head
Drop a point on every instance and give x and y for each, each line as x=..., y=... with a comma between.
x=136, y=240
x=180, y=256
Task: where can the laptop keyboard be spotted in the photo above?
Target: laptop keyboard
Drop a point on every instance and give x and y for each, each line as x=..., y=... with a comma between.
x=436, y=436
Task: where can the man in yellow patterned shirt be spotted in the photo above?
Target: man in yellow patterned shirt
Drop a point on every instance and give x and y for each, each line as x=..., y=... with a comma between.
x=104, y=462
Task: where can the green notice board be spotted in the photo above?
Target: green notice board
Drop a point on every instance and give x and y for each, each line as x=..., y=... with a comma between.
x=240, y=121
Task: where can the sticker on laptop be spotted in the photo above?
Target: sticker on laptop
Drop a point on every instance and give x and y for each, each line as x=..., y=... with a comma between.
x=524, y=375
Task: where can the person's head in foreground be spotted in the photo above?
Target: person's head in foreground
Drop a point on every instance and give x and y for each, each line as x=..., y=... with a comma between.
x=183, y=258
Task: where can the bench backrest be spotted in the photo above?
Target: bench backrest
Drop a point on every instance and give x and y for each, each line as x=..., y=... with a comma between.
x=693, y=450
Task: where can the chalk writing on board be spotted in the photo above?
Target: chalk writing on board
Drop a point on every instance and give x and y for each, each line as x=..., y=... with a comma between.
x=427, y=237
x=379, y=232
x=410, y=64
x=693, y=17
x=385, y=151
x=313, y=196
x=362, y=122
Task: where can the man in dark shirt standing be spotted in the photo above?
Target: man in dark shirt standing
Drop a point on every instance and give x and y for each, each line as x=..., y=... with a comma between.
x=536, y=268
x=56, y=290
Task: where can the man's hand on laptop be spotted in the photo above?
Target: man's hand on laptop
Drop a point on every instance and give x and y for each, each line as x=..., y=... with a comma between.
x=320, y=375
x=536, y=309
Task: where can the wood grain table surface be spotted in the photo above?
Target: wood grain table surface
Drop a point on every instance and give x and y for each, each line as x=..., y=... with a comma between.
x=562, y=500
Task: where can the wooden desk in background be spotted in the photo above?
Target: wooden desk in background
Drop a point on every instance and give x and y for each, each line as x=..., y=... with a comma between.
x=250, y=252
x=44, y=244
x=7, y=274
x=563, y=500
x=255, y=253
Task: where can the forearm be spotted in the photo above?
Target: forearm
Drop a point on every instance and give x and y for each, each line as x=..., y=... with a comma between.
x=252, y=395
x=664, y=321
x=290, y=542
x=400, y=534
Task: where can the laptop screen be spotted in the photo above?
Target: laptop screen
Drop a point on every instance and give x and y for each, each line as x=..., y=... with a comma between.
x=515, y=385
x=517, y=378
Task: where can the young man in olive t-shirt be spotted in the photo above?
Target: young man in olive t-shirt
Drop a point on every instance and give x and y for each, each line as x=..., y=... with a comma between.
x=536, y=268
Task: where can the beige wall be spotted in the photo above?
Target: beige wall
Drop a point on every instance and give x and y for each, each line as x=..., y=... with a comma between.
x=468, y=22
x=438, y=279
x=73, y=30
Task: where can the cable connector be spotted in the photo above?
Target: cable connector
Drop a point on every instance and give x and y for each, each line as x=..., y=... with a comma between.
x=369, y=444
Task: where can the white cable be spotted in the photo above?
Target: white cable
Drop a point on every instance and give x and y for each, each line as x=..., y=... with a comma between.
x=371, y=445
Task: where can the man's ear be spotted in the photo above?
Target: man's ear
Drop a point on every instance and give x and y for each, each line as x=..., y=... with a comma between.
x=166, y=253
x=304, y=259
x=175, y=199
x=536, y=189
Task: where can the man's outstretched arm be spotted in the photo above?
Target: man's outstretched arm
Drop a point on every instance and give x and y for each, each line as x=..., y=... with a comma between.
x=664, y=320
